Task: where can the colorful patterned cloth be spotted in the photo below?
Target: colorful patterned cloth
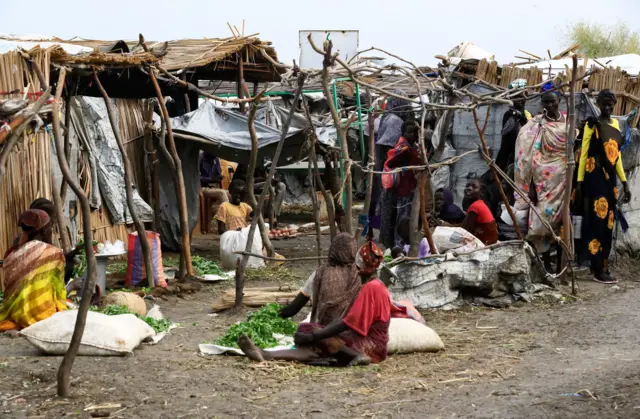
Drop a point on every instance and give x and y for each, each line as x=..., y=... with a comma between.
x=601, y=159
x=34, y=290
x=541, y=159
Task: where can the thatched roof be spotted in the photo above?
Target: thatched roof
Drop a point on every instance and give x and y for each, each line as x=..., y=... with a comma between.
x=212, y=58
x=207, y=55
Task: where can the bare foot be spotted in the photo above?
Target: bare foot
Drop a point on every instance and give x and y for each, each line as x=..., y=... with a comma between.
x=360, y=360
x=250, y=349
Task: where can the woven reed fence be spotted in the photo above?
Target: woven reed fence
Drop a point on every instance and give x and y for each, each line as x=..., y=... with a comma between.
x=28, y=174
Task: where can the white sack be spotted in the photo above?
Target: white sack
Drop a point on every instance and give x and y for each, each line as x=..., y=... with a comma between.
x=103, y=335
x=450, y=238
x=236, y=241
x=407, y=336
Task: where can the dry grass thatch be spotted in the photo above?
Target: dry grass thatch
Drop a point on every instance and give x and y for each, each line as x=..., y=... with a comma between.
x=180, y=54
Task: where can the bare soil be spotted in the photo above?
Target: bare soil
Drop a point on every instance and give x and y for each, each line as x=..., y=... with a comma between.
x=524, y=361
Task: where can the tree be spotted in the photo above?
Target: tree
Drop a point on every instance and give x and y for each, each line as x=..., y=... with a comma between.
x=597, y=40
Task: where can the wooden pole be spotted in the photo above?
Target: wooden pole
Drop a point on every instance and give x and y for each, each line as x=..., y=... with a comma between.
x=67, y=133
x=253, y=161
x=414, y=219
x=314, y=202
x=370, y=175
x=328, y=61
x=128, y=171
x=187, y=100
x=64, y=370
x=150, y=164
x=58, y=203
x=496, y=179
x=571, y=163
x=240, y=82
x=328, y=199
x=186, y=268
x=252, y=230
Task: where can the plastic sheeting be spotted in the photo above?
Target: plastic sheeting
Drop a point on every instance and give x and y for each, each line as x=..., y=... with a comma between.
x=508, y=268
x=225, y=133
x=90, y=123
x=169, y=219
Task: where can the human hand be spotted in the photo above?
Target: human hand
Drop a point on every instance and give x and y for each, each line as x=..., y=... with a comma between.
x=302, y=339
x=627, y=193
x=578, y=197
x=591, y=121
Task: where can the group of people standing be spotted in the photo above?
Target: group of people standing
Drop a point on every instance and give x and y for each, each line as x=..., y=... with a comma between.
x=533, y=153
x=540, y=171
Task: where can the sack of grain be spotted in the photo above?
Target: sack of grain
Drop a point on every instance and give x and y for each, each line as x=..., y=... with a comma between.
x=132, y=302
x=407, y=336
x=103, y=335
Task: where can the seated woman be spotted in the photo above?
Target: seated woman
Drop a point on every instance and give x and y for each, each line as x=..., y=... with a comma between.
x=358, y=338
x=479, y=221
x=34, y=275
x=332, y=287
x=234, y=215
x=446, y=211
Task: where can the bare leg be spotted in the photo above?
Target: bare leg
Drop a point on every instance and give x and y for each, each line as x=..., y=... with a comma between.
x=256, y=354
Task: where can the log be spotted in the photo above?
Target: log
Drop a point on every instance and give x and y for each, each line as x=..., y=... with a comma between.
x=128, y=179
x=64, y=370
x=186, y=267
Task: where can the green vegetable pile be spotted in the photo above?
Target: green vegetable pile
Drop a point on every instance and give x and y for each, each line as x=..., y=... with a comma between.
x=159, y=326
x=1, y=296
x=260, y=327
x=204, y=266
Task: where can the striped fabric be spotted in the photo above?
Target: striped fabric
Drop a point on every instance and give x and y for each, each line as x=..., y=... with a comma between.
x=34, y=285
x=136, y=272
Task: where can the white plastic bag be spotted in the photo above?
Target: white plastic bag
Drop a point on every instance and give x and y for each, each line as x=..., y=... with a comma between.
x=236, y=241
x=450, y=238
x=407, y=336
x=103, y=335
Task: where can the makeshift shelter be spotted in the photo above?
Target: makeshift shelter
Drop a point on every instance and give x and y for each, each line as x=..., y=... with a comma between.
x=99, y=166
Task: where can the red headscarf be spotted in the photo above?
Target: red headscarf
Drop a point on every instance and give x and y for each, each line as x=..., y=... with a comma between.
x=370, y=257
x=32, y=222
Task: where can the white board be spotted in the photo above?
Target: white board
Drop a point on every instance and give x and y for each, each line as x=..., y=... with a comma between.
x=345, y=42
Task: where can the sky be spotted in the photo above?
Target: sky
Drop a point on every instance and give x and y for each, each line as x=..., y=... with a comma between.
x=416, y=30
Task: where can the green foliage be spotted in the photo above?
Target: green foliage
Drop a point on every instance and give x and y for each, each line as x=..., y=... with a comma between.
x=159, y=326
x=1, y=296
x=597, y=40
x=260, y=327
x=204, y=266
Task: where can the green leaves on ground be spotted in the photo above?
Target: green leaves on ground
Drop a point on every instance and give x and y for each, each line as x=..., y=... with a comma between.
x=260, y=327
x=204, y=266
x=159, y=326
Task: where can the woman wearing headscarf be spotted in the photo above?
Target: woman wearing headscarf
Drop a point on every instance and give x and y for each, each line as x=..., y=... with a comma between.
x=445, y=209
x=396, y=112
x=600, y=162
x=358, y=337
x=541, y=162
x=34, y=275
x=332, y=287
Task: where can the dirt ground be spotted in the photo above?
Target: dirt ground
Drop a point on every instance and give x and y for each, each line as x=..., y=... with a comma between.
x=525, y=361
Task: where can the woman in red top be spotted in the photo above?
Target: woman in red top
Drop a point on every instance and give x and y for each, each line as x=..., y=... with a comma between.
x=359, y=338
x=479, y=221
